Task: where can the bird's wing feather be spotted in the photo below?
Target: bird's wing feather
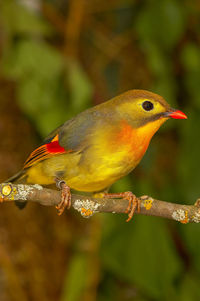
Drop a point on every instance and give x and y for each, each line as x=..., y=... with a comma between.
x=74, y=135
x=45, y=151
x=70, y=137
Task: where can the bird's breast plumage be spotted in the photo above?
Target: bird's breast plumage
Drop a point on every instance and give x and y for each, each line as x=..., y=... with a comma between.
x=112, y=154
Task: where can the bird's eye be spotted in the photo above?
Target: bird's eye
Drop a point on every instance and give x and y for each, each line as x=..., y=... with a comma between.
x=147, y=105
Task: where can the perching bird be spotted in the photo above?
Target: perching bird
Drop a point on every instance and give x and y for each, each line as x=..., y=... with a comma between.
x=99, y=146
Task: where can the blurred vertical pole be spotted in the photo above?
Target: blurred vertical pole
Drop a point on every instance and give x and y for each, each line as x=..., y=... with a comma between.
x=73, y=27
x=53, y=16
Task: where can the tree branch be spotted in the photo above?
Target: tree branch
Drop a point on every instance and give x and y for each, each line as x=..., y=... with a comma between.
x=87, y=205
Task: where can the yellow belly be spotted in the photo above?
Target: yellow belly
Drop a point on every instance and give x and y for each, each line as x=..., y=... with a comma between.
x=91, y=175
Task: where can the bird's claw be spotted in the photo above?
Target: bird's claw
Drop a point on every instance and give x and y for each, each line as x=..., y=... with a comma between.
x=132, y=205
x=65, y=196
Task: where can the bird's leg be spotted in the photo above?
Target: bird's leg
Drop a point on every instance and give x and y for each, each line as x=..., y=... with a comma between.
x=65, y=196
x=101, y=194
x=133, y=202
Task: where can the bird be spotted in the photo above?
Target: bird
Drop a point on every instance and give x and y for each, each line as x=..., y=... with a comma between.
x=99, y=146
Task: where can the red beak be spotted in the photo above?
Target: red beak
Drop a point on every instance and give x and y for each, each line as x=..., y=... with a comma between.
x=176, y=114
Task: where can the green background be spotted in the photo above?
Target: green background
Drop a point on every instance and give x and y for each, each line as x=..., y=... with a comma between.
x=57, y=58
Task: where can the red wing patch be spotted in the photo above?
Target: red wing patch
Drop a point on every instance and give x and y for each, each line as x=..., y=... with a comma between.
x=45, y=151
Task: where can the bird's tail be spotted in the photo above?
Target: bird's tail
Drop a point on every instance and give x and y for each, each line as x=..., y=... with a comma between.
x=18, y=178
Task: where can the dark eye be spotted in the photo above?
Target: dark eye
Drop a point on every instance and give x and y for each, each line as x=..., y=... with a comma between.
x=147, y=105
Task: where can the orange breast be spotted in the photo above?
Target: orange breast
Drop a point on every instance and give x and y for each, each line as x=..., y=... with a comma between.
x=136, y=140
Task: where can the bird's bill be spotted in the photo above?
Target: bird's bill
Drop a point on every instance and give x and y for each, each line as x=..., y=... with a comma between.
x=176, y=114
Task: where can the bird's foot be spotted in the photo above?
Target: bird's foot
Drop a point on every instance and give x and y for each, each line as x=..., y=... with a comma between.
x=65, y=196
x=133, y=202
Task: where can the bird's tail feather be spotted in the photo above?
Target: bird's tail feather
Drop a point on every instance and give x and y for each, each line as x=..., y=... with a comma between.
x=19, y=177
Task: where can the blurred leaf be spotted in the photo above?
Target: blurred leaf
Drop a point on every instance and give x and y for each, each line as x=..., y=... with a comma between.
x=142, y=253
x=31, y=57
x=189, y=289
x=40, y=100
x=79, y=85
x=38, y=68
x=76, y=278
x=166, y=86
x=188, y=164
x=162, y=22
x=190, y=58
x=124, y=184
x=160, y=26
x=156, y=59
x=19, y=20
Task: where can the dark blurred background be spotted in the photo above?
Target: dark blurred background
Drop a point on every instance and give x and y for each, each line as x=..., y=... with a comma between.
x=57, y=58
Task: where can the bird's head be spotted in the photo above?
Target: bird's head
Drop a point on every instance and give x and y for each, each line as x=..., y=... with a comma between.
x=143, y=107
x=141, y=114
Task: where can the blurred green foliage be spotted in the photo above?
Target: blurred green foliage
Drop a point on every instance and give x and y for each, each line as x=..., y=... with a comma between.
x=63, y=56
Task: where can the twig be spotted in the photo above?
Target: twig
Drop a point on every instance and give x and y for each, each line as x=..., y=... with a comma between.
x=87, y=205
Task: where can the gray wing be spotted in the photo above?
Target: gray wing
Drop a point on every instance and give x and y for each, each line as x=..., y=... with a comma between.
x=75, y=133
